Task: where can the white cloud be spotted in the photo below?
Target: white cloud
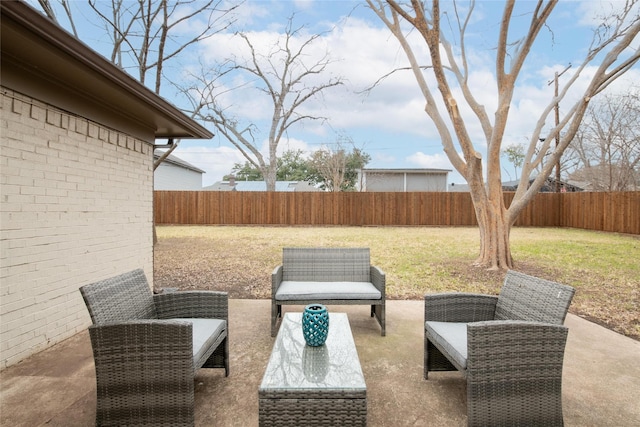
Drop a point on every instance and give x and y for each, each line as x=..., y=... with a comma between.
x=249, y=12
x=286, y=144
x=435, y=161
x=432, y=161
x=383, y=158
x=305, y=4
x=215, y=161
x=592, y=13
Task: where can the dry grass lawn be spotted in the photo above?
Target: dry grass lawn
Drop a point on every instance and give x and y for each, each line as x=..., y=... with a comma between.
x=603, y=267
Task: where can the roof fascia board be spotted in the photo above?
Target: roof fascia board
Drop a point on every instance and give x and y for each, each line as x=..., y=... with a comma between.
x=407, y=171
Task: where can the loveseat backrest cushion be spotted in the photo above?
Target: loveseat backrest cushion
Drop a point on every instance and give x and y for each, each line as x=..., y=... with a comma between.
x=326, y=264
x=120, y=298
x=529, y=298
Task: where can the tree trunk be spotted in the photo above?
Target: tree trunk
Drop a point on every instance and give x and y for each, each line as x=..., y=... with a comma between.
x=270, y=178
x=495, y=227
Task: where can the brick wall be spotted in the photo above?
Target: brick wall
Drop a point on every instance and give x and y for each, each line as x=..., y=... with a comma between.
x=76, y=207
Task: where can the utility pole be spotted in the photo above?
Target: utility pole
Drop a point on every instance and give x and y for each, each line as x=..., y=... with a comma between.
x=557, y=111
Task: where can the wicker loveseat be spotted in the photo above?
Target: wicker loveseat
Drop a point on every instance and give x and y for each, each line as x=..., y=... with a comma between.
x=327, y=276
x=148, y=347
x=509, y=347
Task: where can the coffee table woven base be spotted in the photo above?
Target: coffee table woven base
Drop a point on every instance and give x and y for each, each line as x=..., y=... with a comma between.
x=335, y=409
x=305, y=385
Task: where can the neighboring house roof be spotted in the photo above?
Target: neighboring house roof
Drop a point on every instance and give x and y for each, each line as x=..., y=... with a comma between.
x=547, y=187
x=408, y=171
x=178, y=162
x=41, y=58
x=260, y=186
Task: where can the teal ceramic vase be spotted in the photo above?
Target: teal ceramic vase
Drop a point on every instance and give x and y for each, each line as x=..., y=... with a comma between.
x=315, y=324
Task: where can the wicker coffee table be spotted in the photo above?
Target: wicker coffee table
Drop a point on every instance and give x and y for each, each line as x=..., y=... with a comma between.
x=305, y=385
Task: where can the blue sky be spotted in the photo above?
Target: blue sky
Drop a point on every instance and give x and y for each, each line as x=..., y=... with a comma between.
x=388, y=122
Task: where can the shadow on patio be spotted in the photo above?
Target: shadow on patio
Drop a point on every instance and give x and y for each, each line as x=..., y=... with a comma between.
x=601, y=382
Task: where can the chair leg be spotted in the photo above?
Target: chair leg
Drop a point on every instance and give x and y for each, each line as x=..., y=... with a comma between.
x=434, y=360
x=226, y=357
x=426, y=357
x=276, y=311
x=378, y=311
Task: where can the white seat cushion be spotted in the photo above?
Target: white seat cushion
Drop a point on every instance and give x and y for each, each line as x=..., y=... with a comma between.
x=205, y=332
x=450, y=338
x=299, y=291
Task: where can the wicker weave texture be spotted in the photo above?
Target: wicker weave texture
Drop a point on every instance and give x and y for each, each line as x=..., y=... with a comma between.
x=336, y=412
x=459, y=307
x=327, y=265
x=514, y=373
x=123, y=297
x=525, y=297
x=145, y=366
x=515, y=349
x=144, y=374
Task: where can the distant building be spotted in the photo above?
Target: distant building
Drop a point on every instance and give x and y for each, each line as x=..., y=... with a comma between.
x=233, y=185
x=403, y=180
x=458, y=188
x=176, y=174
x=549, y=186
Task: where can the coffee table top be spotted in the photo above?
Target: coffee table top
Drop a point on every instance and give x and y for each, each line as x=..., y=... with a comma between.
x=295, y=366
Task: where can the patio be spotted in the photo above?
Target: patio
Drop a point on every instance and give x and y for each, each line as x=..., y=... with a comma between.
x=601, y=382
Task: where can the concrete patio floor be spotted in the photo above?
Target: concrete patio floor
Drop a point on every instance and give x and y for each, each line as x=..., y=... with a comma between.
x=601, y=383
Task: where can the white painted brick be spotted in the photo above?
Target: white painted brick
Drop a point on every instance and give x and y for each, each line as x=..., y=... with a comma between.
x=76, y=208
x=32, y=190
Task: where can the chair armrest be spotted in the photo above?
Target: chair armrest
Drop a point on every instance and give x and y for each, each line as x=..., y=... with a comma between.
x=276, y=280
x=379, y=279
x=459, y=307
x=142, y=351
x=192, y=304
x=517, y=350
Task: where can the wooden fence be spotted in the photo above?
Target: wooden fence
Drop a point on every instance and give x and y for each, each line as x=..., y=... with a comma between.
x=616, y=212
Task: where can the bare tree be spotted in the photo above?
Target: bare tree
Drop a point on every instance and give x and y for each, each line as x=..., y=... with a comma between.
x=331, y=165
x=608, y=144
x=49, y=10
x=337, y=168
x=611, y=53
x=284, y=75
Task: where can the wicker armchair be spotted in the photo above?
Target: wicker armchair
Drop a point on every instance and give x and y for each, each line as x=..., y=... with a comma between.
x=148, y=347
x=509, y=347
